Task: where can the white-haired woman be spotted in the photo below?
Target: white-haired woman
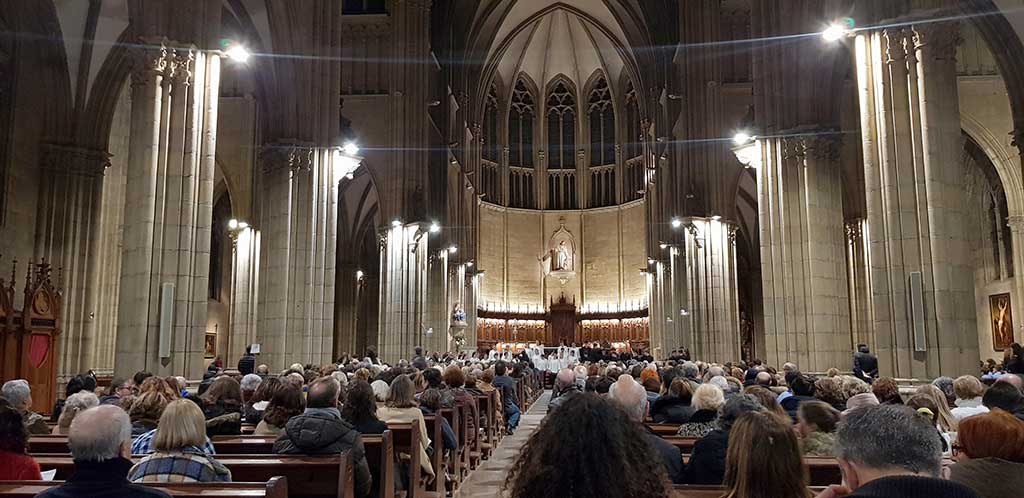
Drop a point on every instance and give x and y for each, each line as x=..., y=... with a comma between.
x=75, y=404
x=178, y=445
x=707, y=399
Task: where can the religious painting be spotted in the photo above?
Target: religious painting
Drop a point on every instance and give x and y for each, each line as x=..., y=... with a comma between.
x=1002, y=321
x=210, y=347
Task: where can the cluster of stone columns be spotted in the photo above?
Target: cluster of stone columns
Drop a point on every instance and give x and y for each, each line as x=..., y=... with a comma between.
x=911, y=132
x=168, y=209
x=803, y=251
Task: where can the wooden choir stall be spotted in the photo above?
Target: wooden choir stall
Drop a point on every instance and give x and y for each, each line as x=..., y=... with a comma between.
x=562, y=324
x=29, y=337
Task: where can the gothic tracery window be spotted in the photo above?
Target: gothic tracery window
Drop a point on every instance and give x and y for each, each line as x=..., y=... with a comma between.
x=632, y=147
x=491, y=147
x=602, y=124
x=520, y=126
x=561, y=114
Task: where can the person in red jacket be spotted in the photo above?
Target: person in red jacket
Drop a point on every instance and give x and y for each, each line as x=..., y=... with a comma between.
x=15, y=464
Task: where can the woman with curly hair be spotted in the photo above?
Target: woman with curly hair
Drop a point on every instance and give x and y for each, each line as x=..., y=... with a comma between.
x=830, y=390
x=286, y=403
x=15, y=463
x=222, y=407
x=887, y=391
x=598, y=449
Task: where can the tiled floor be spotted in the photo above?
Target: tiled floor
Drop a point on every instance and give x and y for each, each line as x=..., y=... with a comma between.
x=486, y=480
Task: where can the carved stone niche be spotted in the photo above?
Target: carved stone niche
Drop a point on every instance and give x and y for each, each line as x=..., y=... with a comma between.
x=560, y=259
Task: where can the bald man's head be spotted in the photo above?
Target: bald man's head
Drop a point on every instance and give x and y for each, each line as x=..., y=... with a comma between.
x=764, y=379
x=631, y=396
x=565, y=378
x=1013, y=380
x=100, y=433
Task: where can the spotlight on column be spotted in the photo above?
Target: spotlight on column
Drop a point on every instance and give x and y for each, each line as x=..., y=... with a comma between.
x=453, y=249
x=469, y=264
x=650, y=261
x=232, y=224
x=396, y=223
x=676, y=222
x=351, y=148
x=242, y=225
x=435, y=227
x=716, y=218
x=684, y=313
x=742, y=138
x=359, y=274
x=238, y=53
x=835, y=33
x=663, y=245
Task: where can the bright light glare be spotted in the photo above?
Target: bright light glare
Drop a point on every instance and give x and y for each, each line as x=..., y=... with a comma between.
x=469, y=264
x=238, y=53
x=434, y=227
x=676, y=222
x=396, y=223
x=834, y=33
x=741, y=138
x=716, y=218
x=664, y=246
x=232, y=224
x=243, y=225
x=359, y=274
x=351, y=148
x=453, y=249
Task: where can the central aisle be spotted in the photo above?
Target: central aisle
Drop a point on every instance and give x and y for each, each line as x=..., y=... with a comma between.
x=486, y=480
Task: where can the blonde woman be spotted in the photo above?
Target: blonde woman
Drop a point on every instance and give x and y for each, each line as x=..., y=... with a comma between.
x=969, y=391
x=75, y=404
x=707, y=399
x=179, y=455
x=947, y=423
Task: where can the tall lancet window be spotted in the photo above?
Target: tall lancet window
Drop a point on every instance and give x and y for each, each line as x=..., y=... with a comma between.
x=602, y=124
x=491, y=148
x=520, y=126
x=561, y=112
x=633, y=141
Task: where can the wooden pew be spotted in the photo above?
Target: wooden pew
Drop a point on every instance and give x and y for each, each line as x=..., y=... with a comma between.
x=454, y=460
x=685, y=444
x=823, y=471
x=225, y=445
x=380, y=456
x=407, y=441
x=489, y=441
x=321, y=477
x=437, y=460
x=275, y=487
x=694, y=491
x=663, y=429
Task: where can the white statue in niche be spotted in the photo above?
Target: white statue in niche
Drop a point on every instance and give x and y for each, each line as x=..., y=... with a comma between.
x=563, y=258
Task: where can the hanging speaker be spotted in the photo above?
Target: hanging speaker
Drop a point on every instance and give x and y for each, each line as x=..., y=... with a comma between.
x=166, y=318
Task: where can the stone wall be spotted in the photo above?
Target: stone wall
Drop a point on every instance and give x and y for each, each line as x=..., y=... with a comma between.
x=610, y=252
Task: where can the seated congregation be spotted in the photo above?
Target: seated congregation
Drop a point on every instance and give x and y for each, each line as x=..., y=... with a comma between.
x=418, y=428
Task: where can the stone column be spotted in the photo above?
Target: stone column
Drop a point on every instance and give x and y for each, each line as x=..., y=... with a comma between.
x=709, y=308
x=1017, y=241
x=803, y=249
x=858, y=281
x=403, y=290
x=299, y=230
x=346, y=301
x=168, y=209
x=70, y=200
x=910, y=124
x=438, y=313
x=245, y=285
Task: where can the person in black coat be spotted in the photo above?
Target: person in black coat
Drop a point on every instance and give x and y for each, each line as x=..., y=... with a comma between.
x=707, y=463
x=801, y=389
x=101, y=448
x=675, y=407
x=322, y=431
x=865, y=364
x=247, y=363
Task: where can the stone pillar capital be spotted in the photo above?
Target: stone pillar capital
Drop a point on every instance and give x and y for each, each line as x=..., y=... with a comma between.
x=74, y=160
x=1016, y=224
x=822, y=147
x=286, y=155
x=854, y=230
x=180, y=65
x=151, y=58
x=937, y=40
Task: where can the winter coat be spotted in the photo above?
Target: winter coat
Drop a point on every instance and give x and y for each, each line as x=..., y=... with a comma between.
x=322, y=431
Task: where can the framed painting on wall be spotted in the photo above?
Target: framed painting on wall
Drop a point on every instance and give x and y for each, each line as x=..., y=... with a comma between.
x=1002, y=321
x=210, y=349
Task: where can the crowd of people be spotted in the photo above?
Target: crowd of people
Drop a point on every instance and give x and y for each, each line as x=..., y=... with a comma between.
x=753, y=425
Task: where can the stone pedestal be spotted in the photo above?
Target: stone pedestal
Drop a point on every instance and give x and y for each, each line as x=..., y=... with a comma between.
x=168, y=209
x=910, y=124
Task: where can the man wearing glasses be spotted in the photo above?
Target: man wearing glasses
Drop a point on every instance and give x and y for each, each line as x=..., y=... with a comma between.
x=120, y=388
